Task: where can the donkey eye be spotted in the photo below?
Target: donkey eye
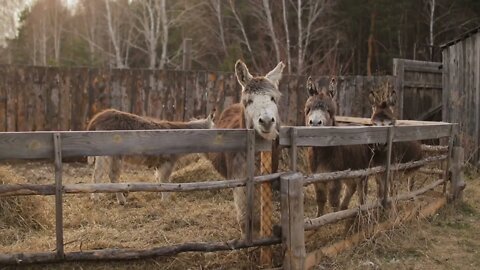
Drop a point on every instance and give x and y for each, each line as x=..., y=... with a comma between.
x=250, y=101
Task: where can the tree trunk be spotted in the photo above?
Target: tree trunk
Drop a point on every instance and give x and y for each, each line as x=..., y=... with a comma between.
x=287, y=36
x=268, y=13
x=164, y=18
x=371, y=42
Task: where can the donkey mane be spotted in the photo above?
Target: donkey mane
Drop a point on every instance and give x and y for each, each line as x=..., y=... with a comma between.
x=112, y=119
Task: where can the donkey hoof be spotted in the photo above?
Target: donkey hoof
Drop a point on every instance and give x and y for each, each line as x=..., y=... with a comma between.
x=166, y=196
x=94, y=197
x=121, y=199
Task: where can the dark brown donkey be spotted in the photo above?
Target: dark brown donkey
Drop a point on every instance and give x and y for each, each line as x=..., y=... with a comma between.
x=257, y=110
x=112, y=119
x=320, y=110
x=383, y=115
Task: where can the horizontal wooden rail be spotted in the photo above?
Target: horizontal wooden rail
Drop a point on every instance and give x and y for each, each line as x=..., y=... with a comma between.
x=132, y=254
x=434, y=148
x=38, y=189
x=348, y=135
x=368, y=121
x=314, y=223
x=33, y=145
x=349, y=174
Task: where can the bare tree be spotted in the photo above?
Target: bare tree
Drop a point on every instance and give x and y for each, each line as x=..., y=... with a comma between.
x=287, y=36
x=268, y=14
x=244, y=33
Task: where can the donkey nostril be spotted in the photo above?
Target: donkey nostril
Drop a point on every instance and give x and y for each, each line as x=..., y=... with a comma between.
x=273, y=120
x=311, y=122
x=260, y=120
x=320, y=122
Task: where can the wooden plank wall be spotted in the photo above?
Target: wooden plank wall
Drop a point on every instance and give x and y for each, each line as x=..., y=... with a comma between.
x=419, y=88
x=48, y=98
x=461, y=80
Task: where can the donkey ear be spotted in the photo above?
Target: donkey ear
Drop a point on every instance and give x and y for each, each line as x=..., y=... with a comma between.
x=243, y=75
x=311, y=87
x=392, y=99
x=332, y=87
x=211, y=116
x=276, y=74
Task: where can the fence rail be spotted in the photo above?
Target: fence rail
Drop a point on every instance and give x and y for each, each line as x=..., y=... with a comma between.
x=57, y=145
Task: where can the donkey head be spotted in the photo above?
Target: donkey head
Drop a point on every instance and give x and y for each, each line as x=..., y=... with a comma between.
x=260, y=96
x=204, y=123
x=320, y=108
x=382, y=109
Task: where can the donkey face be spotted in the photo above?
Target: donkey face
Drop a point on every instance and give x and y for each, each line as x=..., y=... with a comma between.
x=382, y=110
x=320, y=107
x=260, y=96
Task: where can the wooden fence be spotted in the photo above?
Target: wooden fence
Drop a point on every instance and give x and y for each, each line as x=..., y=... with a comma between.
x=58, y=145
x=44, y=99
x=419, y=84
x=461, y=82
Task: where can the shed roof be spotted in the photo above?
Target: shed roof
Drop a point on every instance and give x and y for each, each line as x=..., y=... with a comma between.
x=461, y=37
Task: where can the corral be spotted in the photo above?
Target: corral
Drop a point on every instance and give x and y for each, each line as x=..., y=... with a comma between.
x=149, y=234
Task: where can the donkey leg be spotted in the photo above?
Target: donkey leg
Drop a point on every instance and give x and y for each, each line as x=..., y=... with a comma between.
x=351, y=187
x=380, y=187
x=100, y=168
x=115, y=170
x=321, y=197
x=334, y=194
x=162, y=175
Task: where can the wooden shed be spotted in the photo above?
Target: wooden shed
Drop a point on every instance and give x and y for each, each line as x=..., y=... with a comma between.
x=461, y=89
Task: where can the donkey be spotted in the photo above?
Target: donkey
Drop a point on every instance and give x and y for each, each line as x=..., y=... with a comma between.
x=257, y=110
x=112, y=119
x=382, y=115
x=320, y=109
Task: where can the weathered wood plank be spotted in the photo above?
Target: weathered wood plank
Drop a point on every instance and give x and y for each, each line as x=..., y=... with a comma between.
x=3, y=99
x=57, y=143
x=328, y=136
x=131, y=254
x=292, y=220
x=40, y=189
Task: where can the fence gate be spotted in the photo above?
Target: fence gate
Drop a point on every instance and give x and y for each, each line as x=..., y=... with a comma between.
x=419, y=87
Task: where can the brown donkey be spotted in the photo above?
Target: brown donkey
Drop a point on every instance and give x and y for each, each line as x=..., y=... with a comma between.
x=320, y=110
x=383, y=115
x=257, y=110
x=112, y=119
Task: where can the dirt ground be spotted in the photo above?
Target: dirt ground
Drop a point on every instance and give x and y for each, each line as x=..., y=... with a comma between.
x=447, y=241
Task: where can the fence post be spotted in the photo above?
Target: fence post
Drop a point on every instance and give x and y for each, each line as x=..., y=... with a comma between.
x=58, y=194
x=398, y=72
x=458, y=184
x=451, y=140
x=187, y=54
x=388, y=163
x=292, y=220
x=293, y=149
x=250, y=185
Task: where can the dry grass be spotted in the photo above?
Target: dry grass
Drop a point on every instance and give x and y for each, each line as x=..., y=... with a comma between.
x=146, y=221
x=449, y=240
x=20, y=216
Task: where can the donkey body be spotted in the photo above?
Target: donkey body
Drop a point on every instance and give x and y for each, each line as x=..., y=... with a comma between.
x=382, y=115
x=112, y=119
x=320, y=110
x=257, y=110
